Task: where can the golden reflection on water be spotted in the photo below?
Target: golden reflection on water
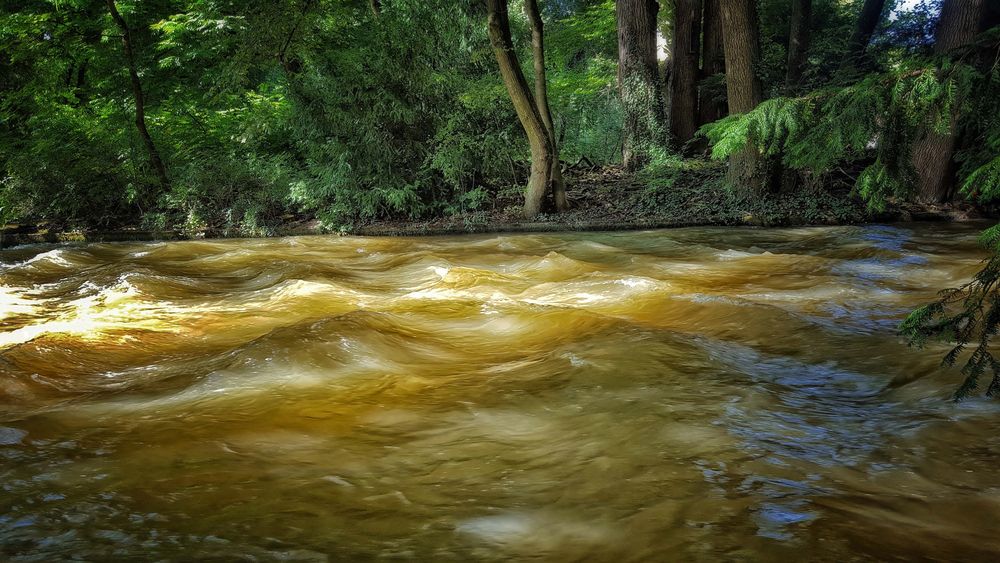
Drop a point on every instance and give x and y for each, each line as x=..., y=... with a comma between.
x=706, y=394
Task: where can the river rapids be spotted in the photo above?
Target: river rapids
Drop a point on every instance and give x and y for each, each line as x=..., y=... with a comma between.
x=696, y=394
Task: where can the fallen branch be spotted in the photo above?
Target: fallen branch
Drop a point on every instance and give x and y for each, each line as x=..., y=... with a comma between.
x=590, y=163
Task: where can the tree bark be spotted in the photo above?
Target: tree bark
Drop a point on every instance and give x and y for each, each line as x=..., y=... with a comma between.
x=524, y=105
x=642, y=104
x=747, y=168
x=713, y=61
x=684, y=77
x=991, y=16
x=798, y=42
x=140, y=109
x=542, y=101
x=932, y=155
x=868, y=19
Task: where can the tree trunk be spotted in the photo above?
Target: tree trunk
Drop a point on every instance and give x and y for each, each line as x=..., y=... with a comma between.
x=542, y=101
x=642, y=103
x=868, y=19
x=665, y=62
x=932, y=155
x=140, y=109
x=684, y=77
x=713, y=61
x=798, y=42
x=747, y=168
x=991, y=16
x=524, y=105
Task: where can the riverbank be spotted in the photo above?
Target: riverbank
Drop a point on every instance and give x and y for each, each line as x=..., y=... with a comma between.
x=602, y=199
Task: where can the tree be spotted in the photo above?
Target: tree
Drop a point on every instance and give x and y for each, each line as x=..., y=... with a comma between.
x=798, y=41
x=137, y=97
x=542, y=101
x=642, y=103
x=871, y=14
x=713, y=62
x=542, y=154
x=684, y=83
x=932, y=155
x=747, y=167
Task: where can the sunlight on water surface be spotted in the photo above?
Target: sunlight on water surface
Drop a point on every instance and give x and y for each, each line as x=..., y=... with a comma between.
x=696, y=394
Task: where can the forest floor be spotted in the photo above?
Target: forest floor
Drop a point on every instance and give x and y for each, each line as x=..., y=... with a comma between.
x=601, y=199
x=610, y=199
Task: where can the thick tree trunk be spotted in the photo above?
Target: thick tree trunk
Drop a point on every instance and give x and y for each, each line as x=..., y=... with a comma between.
x=991, y=16
x=932, y=155
x=868, y=19
x=684, y=77
x=140, y=109
x=747, y=168
x=642, y=103
x=542, y=101
x=81, y=74
x=713, y=61
x=798, y=42
x=524, y=105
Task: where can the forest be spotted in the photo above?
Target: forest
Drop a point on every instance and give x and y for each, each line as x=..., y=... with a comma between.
x=238, y=115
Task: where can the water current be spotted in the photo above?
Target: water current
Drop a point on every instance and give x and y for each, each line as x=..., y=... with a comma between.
x=697, y=394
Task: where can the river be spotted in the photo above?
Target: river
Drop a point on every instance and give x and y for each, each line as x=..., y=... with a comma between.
x=701, y=394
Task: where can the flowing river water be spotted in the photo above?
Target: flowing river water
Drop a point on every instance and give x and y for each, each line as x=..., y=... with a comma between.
x=693, y=394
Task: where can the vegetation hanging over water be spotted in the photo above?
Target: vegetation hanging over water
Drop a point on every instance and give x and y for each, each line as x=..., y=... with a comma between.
x=966, y=316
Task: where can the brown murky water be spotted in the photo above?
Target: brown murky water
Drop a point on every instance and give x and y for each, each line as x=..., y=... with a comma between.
x=695, y=394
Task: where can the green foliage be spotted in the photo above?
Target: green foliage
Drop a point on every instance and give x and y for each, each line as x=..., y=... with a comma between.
x=265, y=110
x=873, y=123
x=979, y=155
x=261, y=110
x=477, y=145
x=574, y=40
x=831, y=25
x=984, y=182
x=581, y=52
x=967, y=316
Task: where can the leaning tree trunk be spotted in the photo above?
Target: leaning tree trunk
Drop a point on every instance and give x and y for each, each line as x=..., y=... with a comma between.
x=642, y=104
x=747, y=168
x=868, y=19
x=932, y=155
x=140, y=109
x=542, y=101
x=798, y=42
x=524, y=105
x=684, y=77
x=713, y=61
